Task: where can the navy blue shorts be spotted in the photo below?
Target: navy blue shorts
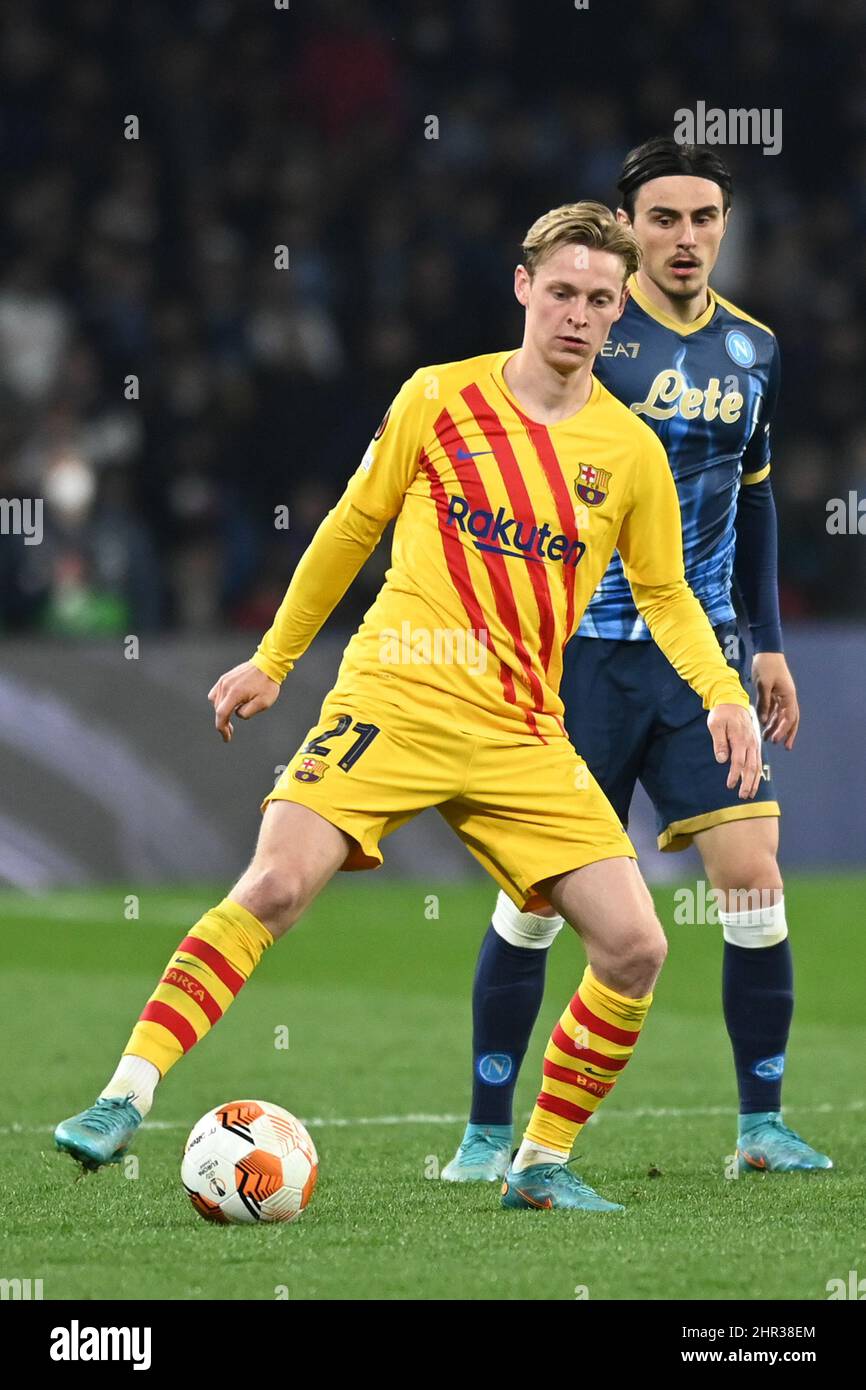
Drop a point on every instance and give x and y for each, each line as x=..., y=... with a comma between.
x=633, y=719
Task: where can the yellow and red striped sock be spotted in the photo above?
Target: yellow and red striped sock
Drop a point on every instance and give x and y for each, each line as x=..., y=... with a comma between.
x=200, y=982
x=587, y=1051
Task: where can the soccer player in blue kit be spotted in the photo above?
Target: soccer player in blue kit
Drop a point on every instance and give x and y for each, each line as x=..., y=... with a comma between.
x=704, y=375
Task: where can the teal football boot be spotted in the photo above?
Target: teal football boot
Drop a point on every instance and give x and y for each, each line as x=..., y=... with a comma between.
x=483, y=1155
x=101, y=1134
x=549, y=1187
x=765, y=1144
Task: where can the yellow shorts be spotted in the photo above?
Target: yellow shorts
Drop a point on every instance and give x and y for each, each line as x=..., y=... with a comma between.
x=527, y=811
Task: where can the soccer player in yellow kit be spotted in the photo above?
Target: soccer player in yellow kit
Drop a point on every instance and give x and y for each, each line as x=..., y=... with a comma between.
x=512, y=477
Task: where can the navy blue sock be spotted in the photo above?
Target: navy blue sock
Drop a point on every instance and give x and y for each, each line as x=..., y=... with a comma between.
x=758, y=999
x=506, y=997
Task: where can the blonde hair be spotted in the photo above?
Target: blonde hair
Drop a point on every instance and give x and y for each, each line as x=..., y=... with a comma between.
x=580, y=224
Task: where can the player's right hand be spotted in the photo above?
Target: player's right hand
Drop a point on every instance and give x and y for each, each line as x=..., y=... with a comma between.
x=736, y=736
x=244, y=691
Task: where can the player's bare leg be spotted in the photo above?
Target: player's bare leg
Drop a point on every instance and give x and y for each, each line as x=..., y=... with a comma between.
x=740, y=860
x=609, y=906
x=297, y=853
x=611, y=909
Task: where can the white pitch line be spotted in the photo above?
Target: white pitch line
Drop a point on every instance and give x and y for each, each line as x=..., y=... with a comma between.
x=108, y=913
x=350, y=1122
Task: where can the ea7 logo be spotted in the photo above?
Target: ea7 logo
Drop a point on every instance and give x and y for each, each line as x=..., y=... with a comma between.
x=77, y=1343
x=612, y=349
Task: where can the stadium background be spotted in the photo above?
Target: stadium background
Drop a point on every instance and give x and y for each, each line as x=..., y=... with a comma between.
x=257, y=388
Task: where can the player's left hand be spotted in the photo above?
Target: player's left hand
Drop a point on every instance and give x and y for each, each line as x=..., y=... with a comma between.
x=244, y=691
x=778, y=710
x=735, y=736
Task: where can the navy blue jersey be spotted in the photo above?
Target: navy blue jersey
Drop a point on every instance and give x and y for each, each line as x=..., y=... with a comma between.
x=708, y=389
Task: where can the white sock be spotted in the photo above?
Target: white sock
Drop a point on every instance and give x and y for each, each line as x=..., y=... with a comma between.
x=525, y=929
x=757, y=926
x=134, y=1076
x=528, y=1154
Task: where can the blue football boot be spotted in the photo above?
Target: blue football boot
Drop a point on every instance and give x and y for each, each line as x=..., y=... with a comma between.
x=101, y=1134
x=483, y=1155
x=549, y=1187
x=766, y=1144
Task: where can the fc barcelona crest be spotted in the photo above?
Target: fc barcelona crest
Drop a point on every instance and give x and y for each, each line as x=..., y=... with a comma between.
x=311, y=770
x=592, y=485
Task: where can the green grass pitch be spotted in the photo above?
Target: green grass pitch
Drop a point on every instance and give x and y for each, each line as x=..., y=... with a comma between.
x=375, y=995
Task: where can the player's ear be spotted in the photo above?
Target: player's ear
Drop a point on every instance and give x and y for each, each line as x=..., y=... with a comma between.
x=725, y=221
x=522, y=285
x=623, y=217
x=623, y=300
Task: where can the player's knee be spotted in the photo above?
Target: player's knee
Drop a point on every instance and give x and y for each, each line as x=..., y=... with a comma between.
x=276, y=894
x=751, y=900
x=648, y=948
x=634, y=967
x=757, y=872
x=651, y=948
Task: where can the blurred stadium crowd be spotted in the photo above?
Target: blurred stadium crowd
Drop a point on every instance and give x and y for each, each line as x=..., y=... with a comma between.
x=305, y=126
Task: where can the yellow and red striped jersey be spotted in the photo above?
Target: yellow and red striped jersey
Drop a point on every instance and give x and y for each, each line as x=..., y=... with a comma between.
x=504, y=529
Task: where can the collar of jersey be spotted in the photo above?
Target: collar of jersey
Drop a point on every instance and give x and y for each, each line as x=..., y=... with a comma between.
x=683, y=329
x=499, y=378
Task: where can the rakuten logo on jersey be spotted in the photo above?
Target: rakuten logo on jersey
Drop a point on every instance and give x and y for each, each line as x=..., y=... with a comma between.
x=505, y=535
